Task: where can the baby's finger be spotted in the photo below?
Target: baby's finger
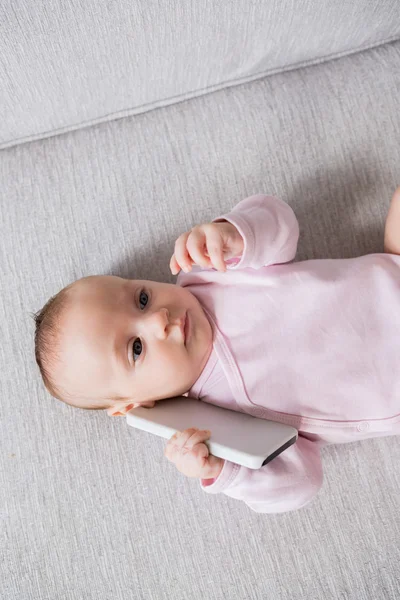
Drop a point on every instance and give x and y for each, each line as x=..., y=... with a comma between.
x=215, y=248
x=189, y=437
x=196, y=245
x=179, y=439
x=181, y=254
x=200, y=454
x=199, y=436
x=173, y=265
x=177, y=442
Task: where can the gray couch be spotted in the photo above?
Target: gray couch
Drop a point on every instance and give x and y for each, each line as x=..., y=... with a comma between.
x=122, y=124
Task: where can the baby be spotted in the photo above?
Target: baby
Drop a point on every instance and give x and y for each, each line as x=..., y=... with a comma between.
x=313, y=344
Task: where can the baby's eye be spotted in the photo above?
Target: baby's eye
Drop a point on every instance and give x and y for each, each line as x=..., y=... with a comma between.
x=143, y=294
x=137, y=344
x=137, y=347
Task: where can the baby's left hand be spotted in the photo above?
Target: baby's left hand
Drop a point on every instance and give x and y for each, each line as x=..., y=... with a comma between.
x=186, y=449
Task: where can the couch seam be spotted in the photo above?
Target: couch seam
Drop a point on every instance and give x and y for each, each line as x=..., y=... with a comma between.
x=172, y=100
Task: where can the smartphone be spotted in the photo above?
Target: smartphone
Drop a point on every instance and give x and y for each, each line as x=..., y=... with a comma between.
x=235, y=436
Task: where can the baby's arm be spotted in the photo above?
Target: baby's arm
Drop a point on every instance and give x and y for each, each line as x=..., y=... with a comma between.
x=260, y=230
x=392, y=226
x=287, y=483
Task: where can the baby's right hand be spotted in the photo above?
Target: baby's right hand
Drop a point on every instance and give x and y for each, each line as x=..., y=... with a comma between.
x=207, y=245
x=186, y=449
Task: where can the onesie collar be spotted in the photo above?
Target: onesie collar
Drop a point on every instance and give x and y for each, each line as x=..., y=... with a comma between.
x=196, y=389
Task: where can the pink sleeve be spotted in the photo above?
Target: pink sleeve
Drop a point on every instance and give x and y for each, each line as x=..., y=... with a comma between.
x=288, y=482
x=269, y=228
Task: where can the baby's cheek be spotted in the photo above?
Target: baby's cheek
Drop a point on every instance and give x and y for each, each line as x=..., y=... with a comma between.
x=181, y=375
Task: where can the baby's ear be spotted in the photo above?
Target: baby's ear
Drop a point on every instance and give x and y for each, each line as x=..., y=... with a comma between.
x=120, y=410
x=113, y=412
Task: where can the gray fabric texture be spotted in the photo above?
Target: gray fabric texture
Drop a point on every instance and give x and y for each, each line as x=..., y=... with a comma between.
x=91, y=508
x=66, y=64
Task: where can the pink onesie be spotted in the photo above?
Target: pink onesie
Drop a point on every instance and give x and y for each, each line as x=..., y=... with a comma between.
x=314, y=344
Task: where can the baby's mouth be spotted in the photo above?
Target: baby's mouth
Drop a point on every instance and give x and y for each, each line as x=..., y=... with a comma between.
x=186, y=328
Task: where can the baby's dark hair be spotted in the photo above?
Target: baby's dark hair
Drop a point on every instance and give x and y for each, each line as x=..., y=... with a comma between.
x=47, y=340
x=47, y=331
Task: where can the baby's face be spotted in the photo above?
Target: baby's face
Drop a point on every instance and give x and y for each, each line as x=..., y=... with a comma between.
x=123, y=337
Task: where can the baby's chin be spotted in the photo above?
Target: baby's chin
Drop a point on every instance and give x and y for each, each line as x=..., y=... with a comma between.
x=151, y=403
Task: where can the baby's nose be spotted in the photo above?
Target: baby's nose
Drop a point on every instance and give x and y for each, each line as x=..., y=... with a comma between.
x=161, y=320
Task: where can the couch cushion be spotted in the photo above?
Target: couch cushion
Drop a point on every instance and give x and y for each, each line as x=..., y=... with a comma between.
x=67, y=64
x=91, y=508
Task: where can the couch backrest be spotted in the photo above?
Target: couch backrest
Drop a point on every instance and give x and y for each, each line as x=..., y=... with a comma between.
x=67, y=64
